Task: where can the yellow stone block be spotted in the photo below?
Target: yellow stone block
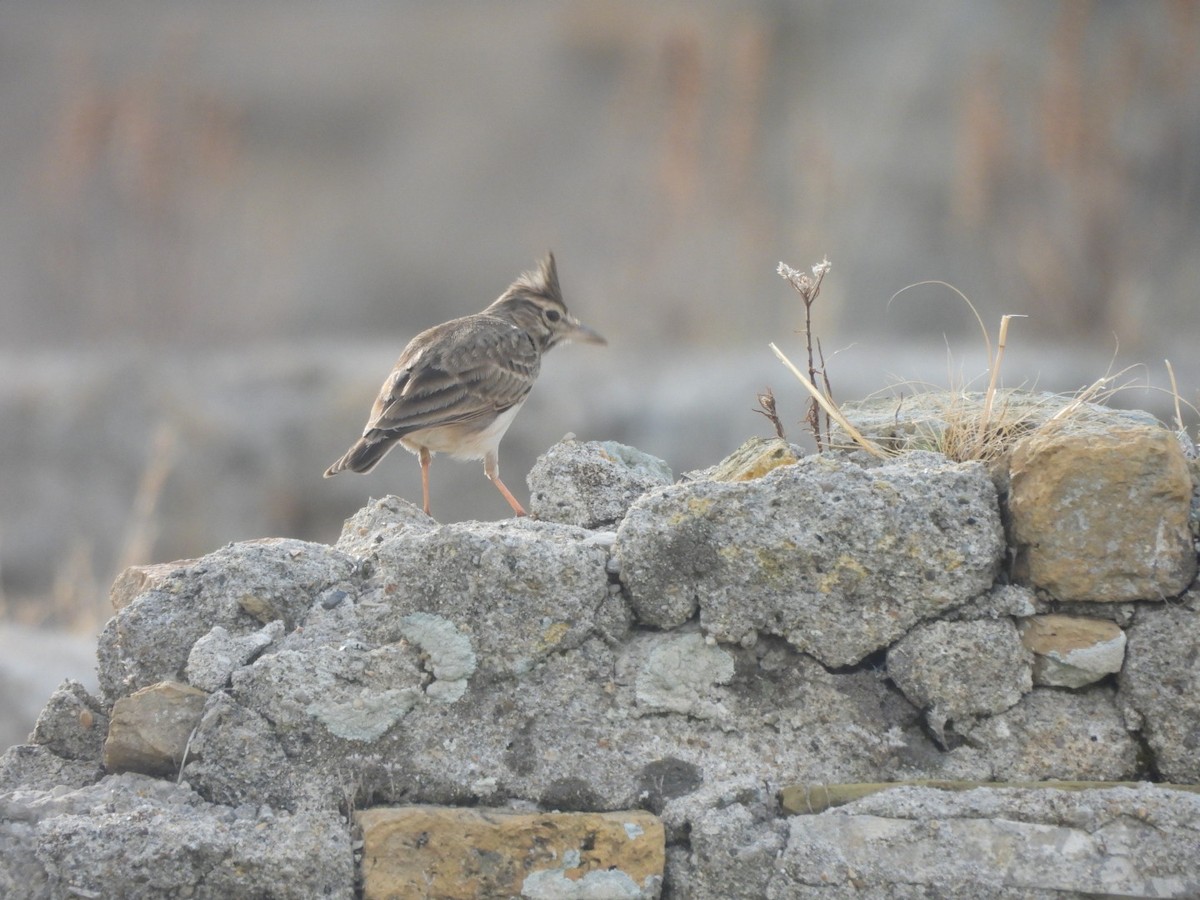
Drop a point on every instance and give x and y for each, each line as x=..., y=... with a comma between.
x=448, y=852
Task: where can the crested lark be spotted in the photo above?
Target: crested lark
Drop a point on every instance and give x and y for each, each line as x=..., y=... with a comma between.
x=457, y=386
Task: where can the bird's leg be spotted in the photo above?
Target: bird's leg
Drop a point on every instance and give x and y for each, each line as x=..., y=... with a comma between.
x=424, y=456
x=491, y=468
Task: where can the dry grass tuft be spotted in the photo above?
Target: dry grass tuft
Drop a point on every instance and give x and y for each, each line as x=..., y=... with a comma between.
x=966, y=426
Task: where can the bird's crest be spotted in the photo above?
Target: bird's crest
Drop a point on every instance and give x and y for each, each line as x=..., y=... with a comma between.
x=542, y=282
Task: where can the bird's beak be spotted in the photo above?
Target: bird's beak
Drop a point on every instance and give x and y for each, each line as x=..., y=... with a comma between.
x=581, y=334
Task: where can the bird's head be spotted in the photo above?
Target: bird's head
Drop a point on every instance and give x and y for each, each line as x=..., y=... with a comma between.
x=534, y=302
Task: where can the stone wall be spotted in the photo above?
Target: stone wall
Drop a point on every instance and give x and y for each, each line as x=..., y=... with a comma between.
x=834, y=676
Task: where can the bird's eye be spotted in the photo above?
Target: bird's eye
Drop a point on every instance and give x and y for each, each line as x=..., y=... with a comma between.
x=553, y=315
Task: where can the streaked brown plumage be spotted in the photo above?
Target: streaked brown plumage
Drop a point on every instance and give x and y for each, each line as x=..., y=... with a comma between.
x=457, y=387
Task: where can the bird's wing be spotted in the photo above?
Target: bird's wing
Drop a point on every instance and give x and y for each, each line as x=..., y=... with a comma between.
x=453, y=374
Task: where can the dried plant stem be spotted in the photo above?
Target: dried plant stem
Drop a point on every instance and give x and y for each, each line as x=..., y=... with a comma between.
x=814, y=414
x=832, y=411
x=989, y=396
x=828, y=386
x=1097, y=389
x=766, y=408
x=186, y=749
x=1175, y=394
x=808, y=287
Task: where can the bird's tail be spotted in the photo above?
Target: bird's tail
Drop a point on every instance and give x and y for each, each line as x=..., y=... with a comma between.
x=362, y=457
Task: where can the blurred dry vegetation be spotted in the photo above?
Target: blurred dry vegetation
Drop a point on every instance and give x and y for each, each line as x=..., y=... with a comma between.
x=221, y=222
x=1067, y=166
x=1061, y=182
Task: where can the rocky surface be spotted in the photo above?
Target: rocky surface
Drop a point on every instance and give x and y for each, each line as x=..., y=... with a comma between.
x=140, y=837
x=995, y=844
x=835, y=620
x=461, y=854
x=240, y=588
x=1032, y=740
x=149, y=730
x=73, y=724
x=1101, y=514
x=839, y=556
x=591, y=485
x=1073, y=651
x=1159, y=682
x=956, y=671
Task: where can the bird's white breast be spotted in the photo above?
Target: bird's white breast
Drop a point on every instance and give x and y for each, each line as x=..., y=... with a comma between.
x=463, y=442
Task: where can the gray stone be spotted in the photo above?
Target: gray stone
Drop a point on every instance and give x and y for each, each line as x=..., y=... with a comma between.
x=991, y=843
x=680, y=674
x=236, y=757
x=240, y=587
x=1160, y=685
x=1055, y=734
x=495, y=664
x=569, y=733
x=354, y=692
x=517, y=590
x=136, y=837
x=591, y=484
x=756, y=797
x=378, y=521
x=1003, y=600
x=837, y=556
x=73, y=724
x=34, y=767
x=731, y=853
x=958, y=670
x=216, y=655
x=726, y=837
x=1120, y=614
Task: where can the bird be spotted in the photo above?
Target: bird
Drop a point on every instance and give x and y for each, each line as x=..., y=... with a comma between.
x=458, y=386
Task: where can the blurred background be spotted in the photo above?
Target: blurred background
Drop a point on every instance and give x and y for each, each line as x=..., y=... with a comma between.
x=220, y=223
